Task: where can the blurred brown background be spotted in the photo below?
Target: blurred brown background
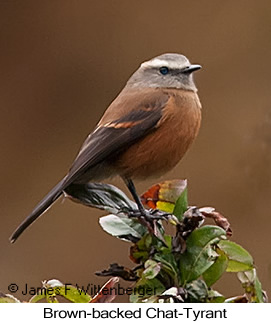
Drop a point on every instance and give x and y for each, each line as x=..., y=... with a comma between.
x=63, y=62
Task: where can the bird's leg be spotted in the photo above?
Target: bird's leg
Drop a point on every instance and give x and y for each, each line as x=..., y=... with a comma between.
x=136, y=198
x=142, y=214
x=148, y=215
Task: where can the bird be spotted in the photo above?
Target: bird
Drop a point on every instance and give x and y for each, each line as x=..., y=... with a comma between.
x=144, y=132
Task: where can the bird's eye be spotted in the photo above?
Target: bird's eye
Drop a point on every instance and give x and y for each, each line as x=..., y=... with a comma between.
x=164, y=70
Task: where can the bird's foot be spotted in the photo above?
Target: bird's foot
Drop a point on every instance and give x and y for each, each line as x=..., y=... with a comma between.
x=149, y=215
x=149, y=218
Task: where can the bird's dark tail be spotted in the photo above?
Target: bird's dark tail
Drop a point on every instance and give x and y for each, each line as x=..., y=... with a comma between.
x=43, y=205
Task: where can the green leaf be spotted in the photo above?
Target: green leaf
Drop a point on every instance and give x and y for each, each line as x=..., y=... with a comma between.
x=259, y=293
x=36, y=298
x=181, y=205
x=140, y=250
x=145, y=289
x=239, y=258
x=236, y=266
x=204, y=235
x=122, y=227
x=53, y=288
x=169, y=264
x=215, y=297
x=7, y=298
x=74, y=294
x=197, y=291
x=194, y=264
x=168, y=240
x=102, y=196
x=49, y=291
x=141, y=255
x=145, y=242
x=252, y=285
x=214, y=272
x=152, y=269
x=199, y=254
x=52, y=299
x=172, y=294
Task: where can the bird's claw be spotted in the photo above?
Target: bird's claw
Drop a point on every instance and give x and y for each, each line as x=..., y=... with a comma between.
x=149, y=215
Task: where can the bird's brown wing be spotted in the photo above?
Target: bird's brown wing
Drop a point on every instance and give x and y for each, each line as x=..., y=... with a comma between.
x=110, y=138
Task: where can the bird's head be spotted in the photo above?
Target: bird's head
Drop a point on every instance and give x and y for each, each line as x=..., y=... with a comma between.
x=165, y=71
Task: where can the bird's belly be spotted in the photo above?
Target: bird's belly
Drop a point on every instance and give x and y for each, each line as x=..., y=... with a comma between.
x=160, y=150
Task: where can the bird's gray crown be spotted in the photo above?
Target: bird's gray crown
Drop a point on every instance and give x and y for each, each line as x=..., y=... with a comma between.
x=173, y=61
x=165, y=71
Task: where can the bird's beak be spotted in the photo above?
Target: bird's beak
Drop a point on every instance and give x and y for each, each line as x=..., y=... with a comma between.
x=191, y=68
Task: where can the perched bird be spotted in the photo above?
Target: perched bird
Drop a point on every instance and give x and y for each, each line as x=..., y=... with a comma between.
x=144, y=132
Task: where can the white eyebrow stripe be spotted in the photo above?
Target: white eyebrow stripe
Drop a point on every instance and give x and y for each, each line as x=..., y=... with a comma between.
x=160, y=62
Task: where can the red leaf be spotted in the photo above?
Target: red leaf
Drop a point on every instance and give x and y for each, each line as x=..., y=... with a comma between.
x=107, y=293
x=164, y=195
